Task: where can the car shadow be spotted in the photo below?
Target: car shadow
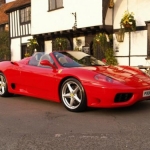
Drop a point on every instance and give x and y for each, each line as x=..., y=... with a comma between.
x=137, y=107
x=141, y=106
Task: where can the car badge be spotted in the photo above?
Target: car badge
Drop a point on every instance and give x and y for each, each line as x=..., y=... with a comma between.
x=71, y=94
x=59, y=71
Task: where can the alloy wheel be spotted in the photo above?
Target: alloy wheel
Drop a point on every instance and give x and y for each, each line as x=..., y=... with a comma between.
x=2, y=85
x=73, y=95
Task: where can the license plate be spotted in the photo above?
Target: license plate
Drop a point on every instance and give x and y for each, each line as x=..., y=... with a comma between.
x=146, y=93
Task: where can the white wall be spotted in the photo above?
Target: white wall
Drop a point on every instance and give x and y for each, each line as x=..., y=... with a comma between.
x=25, y=39
x=89, y=13
x=140, y=8
x=48, y=46
x=138, y=49
x=16, y=47
x=109, y=18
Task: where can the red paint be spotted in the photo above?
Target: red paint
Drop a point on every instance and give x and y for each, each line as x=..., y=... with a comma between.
x=45, y=82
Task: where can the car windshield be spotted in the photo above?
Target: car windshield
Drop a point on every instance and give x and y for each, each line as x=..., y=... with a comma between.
x=77, y=59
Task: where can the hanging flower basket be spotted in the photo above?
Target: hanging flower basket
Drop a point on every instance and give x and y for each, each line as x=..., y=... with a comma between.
x=128, y=21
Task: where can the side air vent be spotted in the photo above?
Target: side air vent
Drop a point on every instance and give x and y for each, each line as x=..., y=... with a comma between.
x=122, y=97
x=13, y=85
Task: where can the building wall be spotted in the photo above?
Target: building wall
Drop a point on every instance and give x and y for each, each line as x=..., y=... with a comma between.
x=136, y=53
x=16, y=47
x=140, y=8
x=19, y=35
x=17, y=29
x=48, y=46
x=109, y=17
x=89, y=13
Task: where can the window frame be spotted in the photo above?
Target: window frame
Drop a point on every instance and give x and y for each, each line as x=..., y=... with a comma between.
x=49, y=7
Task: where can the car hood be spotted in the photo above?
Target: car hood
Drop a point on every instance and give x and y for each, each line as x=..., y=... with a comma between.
x=125, y=74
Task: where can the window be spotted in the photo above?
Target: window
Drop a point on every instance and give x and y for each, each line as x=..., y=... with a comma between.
x=55, y=4
x=25, y=14
x=2, y=28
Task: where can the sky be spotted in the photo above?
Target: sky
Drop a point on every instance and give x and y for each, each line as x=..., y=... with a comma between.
x=9, y=1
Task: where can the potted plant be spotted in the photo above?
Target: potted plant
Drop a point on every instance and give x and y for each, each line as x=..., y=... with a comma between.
x=128, y=21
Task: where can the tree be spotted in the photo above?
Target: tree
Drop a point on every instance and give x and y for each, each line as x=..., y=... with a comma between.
x=4, y=45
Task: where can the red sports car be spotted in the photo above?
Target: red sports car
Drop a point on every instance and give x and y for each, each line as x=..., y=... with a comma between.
x=74, y=78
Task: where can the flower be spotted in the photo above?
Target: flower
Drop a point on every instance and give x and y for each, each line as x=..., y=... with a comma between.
x=27, y=54
x=104, y=60
x=128, y=21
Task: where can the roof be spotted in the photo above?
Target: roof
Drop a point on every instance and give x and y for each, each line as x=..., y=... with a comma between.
x=18, y=4
x=3, y=15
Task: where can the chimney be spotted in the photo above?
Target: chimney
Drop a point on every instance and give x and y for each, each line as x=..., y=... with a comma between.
x=2, y=2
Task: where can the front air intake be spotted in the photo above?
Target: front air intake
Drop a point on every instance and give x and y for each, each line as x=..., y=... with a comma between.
x=122, y=97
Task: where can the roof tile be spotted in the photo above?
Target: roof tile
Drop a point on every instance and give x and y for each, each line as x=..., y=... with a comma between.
x=3, y=15
x=18, y=3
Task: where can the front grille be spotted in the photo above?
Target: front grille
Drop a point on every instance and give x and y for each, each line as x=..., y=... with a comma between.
x=122, y=97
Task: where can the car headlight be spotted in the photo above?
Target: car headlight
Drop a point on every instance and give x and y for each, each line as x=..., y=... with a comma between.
x=100, y=77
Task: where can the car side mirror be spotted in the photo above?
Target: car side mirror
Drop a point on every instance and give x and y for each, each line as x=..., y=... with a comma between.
x=47, y=63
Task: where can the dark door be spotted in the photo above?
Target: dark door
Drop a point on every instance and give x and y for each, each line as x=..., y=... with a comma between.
x=23, y=50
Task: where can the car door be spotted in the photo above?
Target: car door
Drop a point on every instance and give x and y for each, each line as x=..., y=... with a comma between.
x=13, y=76
x=39, y=81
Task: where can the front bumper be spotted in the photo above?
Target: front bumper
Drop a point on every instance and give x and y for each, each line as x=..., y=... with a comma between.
x=105, y=97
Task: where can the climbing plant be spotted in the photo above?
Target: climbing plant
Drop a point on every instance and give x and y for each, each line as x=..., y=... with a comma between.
x=99, y=45
x=103, y=48
x=60, y=43
x=32, y=45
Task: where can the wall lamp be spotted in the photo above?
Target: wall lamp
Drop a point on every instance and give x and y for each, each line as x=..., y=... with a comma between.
x=75, y=23
x=120, y=35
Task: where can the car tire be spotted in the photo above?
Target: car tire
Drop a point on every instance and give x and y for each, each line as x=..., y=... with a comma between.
x=73, y=95
x=3, y=86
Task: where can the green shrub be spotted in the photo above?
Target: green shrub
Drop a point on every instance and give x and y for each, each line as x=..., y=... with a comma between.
x=4, y=46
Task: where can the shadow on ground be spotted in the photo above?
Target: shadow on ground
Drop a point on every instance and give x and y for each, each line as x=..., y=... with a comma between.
x=137, y=107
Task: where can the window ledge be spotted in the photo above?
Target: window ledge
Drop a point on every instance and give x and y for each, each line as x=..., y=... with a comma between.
x=55, y=9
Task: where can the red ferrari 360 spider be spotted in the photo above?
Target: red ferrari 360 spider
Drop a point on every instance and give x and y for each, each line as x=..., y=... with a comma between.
x=74, y=78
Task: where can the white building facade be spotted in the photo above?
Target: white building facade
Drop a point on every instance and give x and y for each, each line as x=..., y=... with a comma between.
x=135, y=47
x=20, y=28
x=81, y=19
x=56, y=19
